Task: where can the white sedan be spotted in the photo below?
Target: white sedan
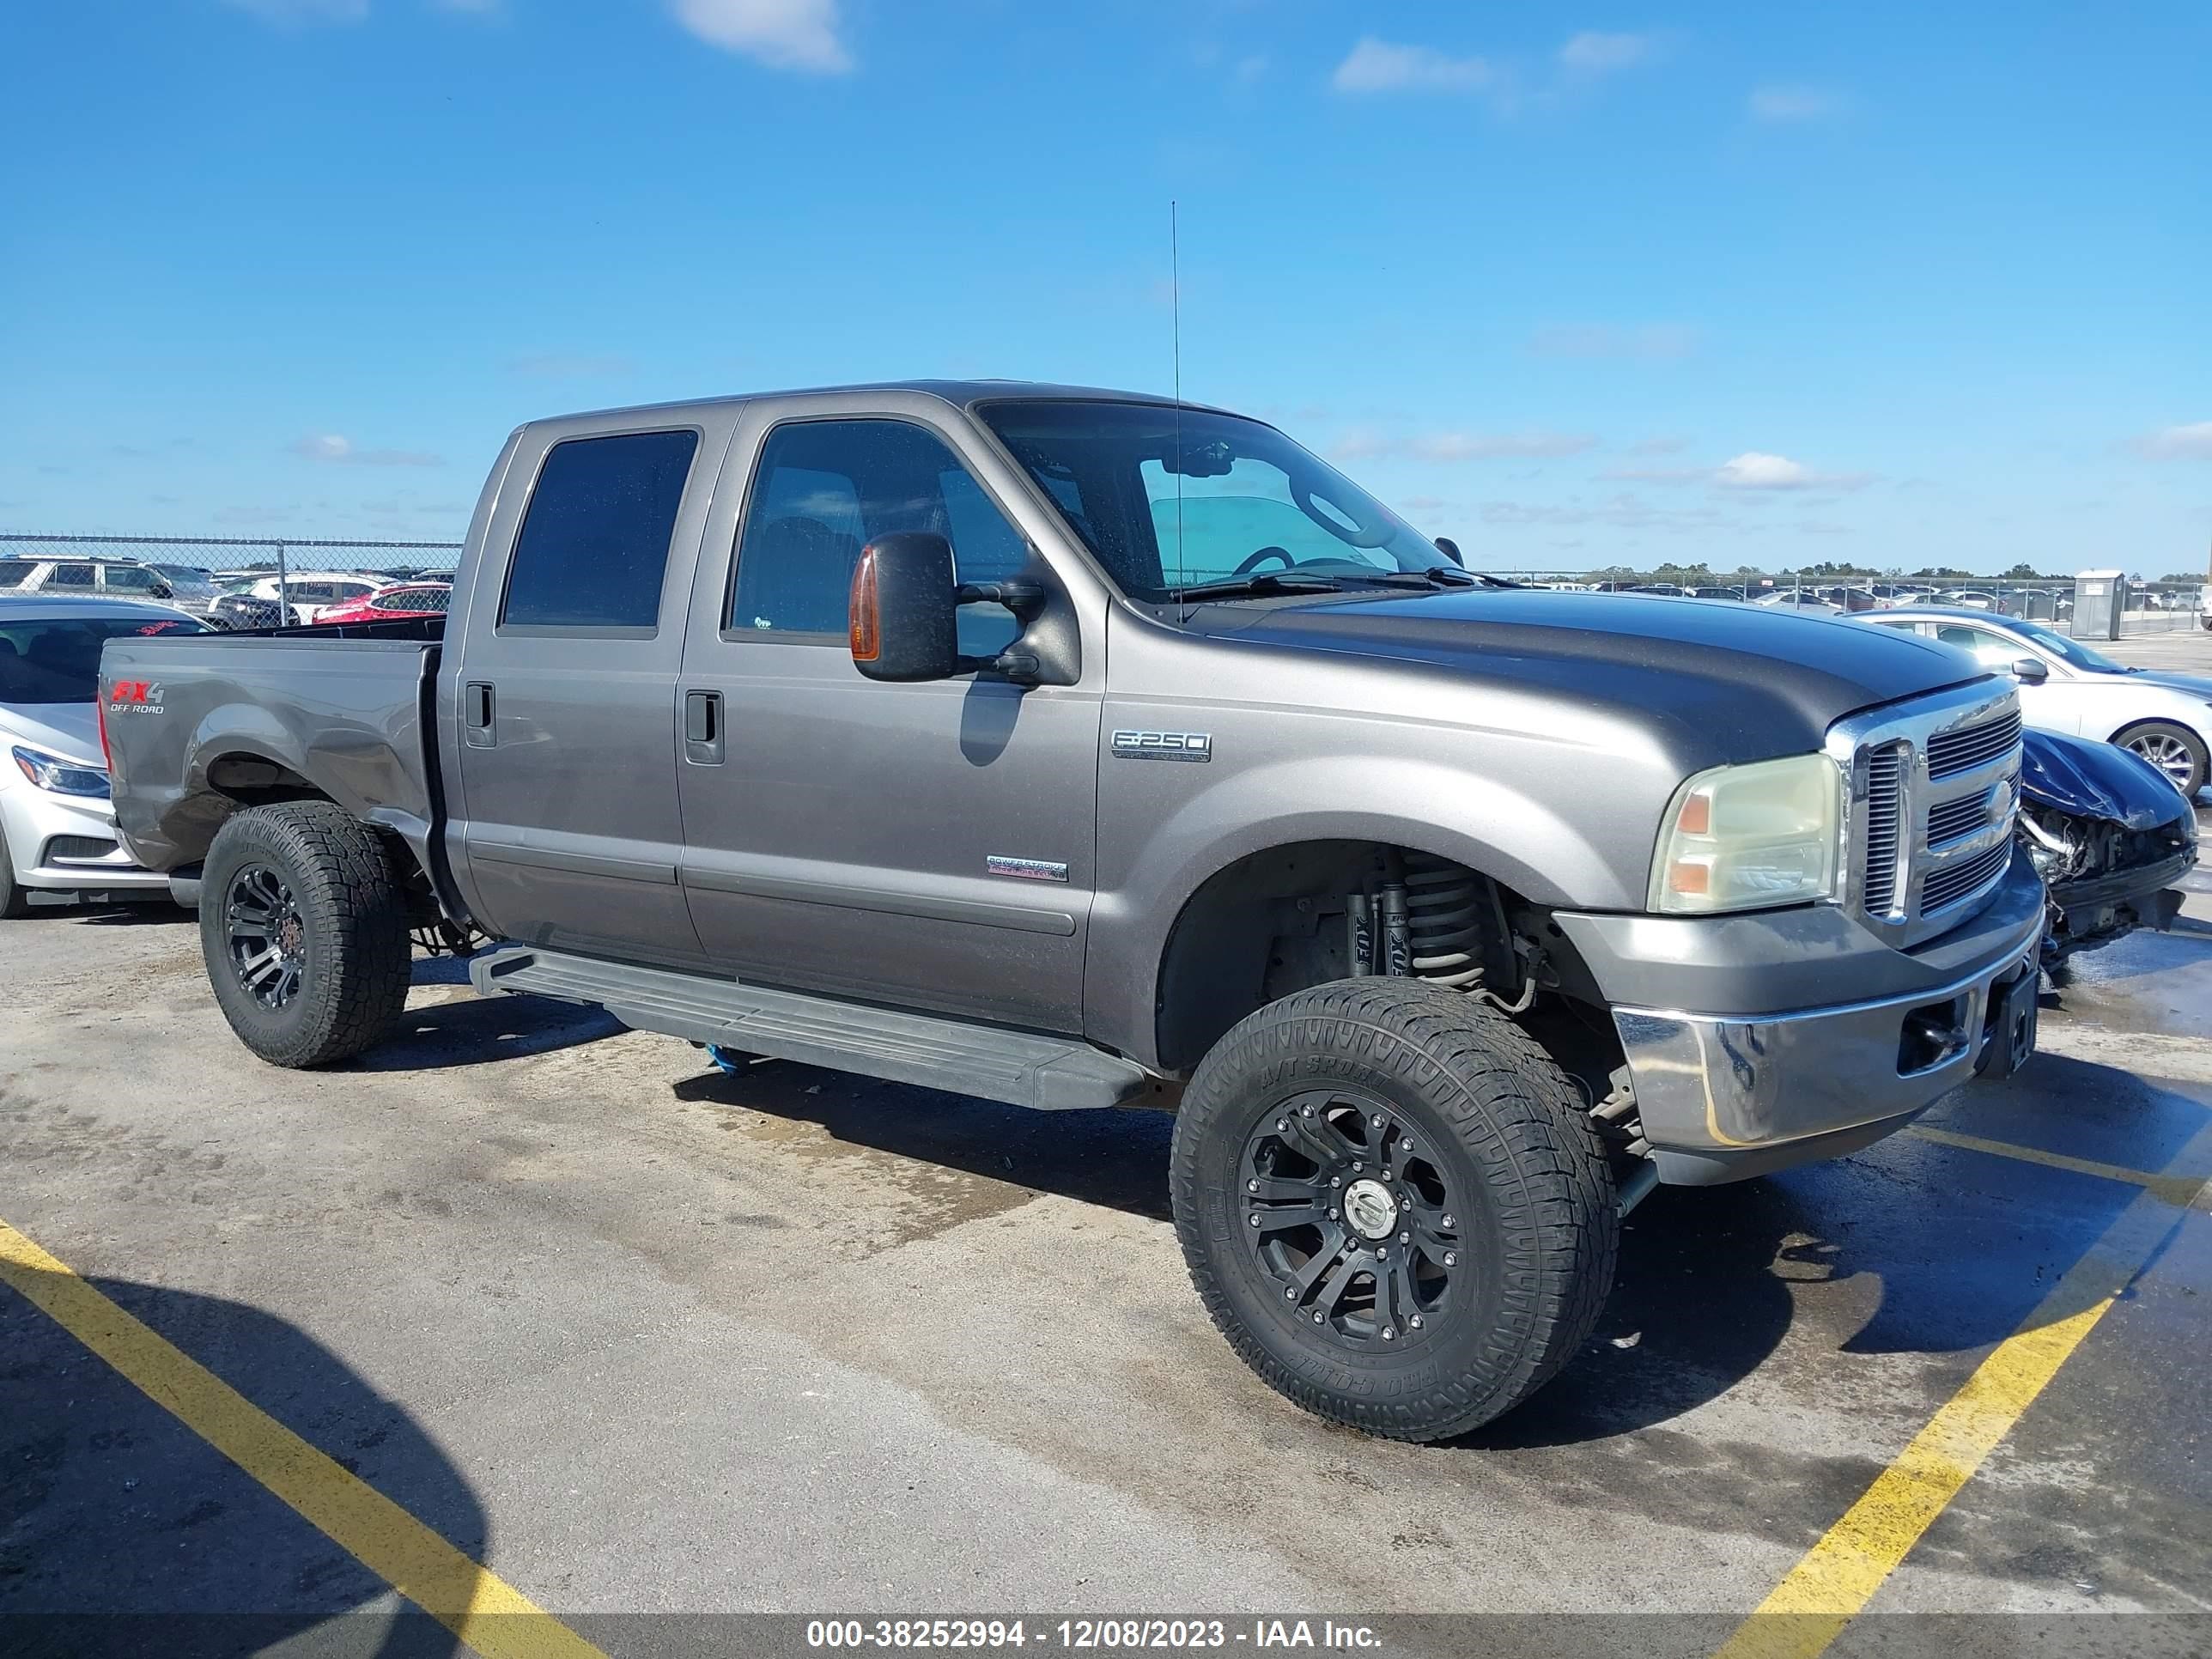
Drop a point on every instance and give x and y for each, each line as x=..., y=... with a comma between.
x=2066, y=686
x=56, y=828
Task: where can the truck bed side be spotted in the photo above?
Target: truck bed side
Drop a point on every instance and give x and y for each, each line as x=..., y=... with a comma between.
x=200, y=726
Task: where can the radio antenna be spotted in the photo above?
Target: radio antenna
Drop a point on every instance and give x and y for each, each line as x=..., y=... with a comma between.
x=1175, y=325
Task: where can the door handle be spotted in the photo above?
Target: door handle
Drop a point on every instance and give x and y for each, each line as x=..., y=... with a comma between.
x=477, y=712
x=702, y=727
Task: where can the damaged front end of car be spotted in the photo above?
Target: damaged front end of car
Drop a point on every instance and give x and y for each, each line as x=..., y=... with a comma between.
x=2109, y=834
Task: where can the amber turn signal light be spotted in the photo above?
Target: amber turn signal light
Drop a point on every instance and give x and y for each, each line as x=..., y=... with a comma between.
x=865, y=622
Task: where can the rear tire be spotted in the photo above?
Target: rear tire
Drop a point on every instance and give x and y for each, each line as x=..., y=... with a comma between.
x=1463, y=1223
x=14, y=897
x=304, y=928
x=2174, y=749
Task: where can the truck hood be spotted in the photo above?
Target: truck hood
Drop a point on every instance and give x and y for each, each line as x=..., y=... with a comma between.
x=2095, y=779
x=70, y=730
x=1735, y=682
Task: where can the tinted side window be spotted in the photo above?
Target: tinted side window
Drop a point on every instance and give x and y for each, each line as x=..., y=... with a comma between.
x=71, y=575
x=129, y=579
x=593, y=545
x=824, y=490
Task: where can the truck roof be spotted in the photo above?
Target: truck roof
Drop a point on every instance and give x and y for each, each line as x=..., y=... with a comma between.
x=962, y=394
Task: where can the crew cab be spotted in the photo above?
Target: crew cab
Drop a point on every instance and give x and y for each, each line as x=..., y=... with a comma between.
x=1081, y=750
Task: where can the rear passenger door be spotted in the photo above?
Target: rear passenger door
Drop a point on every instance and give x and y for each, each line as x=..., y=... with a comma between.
x=564, y=694
x=929, y=845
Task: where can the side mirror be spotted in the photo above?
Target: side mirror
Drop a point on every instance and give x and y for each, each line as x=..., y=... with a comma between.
x=904, y=620
x=2031, y=670
x=1450, y=548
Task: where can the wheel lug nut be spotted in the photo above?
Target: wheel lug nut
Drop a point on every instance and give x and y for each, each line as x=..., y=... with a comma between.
x=1305, y=1111
x=1290, y=1293
x=1376, y=1120
x=1382, y=1253
x=1251, y=1185
x=1415, y=1322
x=1356, y=1166
x=1451, y=1258
x=1405, y=1238
x=1282, y=1123
x=1336, y=1181
x=1447, y=1220
x=1389, y=1334
x=1317, y=1317
x=1255, y=1220
x=1332, y=1214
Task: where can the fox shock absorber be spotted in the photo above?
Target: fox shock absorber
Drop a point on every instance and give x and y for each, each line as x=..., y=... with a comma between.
x=1360, y=935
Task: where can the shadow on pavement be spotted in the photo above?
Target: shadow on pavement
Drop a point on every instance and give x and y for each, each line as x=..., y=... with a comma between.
x=122, y=1531
x=467, y=1029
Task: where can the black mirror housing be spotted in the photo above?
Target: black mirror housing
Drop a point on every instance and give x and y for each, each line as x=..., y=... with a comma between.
x=1450, y=548
x=904, y=612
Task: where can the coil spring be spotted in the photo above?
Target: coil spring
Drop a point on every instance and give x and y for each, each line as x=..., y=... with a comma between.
x=1443, y=906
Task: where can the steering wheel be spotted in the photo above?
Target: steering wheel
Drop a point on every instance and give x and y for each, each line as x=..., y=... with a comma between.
x=1261, y=557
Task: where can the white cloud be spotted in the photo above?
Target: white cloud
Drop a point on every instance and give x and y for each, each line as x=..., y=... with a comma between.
x=333, y=447
x=786, y=34
x=1650, y=342
x=1794, y=103
x=305, y=11
x=1594, y=52
x=1379, y=66
x=1755, y=470
x=2174, y=443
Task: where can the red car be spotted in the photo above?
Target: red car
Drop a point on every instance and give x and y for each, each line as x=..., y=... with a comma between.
x=399, y=602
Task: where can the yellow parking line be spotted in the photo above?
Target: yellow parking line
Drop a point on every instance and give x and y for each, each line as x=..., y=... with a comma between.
x=468, y=1599
x=1839, y=1574
x=2179, y=1190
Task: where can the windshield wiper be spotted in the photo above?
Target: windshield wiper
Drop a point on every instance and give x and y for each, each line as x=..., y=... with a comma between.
x=1263, y=584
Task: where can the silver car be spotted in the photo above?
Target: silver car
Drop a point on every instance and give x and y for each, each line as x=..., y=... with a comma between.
x=2069, y=687
x=57, y=826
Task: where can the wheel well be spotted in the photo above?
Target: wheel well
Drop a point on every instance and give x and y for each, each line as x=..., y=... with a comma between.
x=236, y=782
x=251, y=781
x=1278, y=921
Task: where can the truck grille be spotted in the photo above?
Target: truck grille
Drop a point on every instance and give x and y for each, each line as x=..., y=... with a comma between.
x=1947, y=886
x=1954, y=752
x=1935, y=785
x=1884, y=815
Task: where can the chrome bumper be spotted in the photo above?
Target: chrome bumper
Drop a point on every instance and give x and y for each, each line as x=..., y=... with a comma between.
x=1727, y=1096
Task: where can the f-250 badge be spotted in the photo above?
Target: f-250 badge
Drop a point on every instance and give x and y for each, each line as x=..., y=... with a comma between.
x=1163, y=745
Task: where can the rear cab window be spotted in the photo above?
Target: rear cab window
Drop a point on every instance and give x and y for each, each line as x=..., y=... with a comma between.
x=593, y=549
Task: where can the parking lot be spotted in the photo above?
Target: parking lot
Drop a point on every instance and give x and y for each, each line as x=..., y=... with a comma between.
x=642, y=1338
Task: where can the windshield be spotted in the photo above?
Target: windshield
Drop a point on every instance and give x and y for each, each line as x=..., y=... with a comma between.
x=2072, y=651
x=57, y=659
x=1235, y=498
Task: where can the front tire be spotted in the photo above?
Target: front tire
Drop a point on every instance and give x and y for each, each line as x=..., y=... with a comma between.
x=1393, y=1205
x=2174, y=749
x=304, y=928
x=14, y=897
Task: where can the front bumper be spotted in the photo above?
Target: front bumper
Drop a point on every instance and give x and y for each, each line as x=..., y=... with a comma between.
x=1726, y=1096
x=68, y=843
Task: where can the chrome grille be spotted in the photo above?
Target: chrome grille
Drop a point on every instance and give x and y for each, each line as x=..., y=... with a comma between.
x=1954, y=881
x=1885, y=808
x=1950, y=753
x=1935, y=790
x=1955, y=818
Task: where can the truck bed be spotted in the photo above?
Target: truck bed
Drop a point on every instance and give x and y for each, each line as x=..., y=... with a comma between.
x=351, y=709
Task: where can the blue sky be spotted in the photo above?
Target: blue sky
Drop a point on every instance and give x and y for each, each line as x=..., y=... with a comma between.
x=1754, y=285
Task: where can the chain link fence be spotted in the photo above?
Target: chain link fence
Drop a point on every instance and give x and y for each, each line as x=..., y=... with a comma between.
x=283, y=581
x=232, y=582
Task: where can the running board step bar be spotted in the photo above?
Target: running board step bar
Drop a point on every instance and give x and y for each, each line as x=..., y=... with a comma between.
x=1018, y=1067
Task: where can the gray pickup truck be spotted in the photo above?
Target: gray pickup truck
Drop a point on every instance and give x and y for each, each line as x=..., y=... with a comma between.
x=1081, y=749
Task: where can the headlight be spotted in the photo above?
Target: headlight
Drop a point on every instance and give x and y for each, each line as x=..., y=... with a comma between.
x=1741, y=837
x=61, y=777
